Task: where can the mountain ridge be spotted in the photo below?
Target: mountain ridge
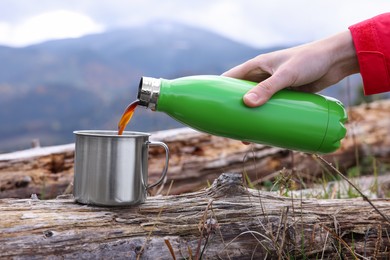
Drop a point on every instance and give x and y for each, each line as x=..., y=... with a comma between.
x=50, y=89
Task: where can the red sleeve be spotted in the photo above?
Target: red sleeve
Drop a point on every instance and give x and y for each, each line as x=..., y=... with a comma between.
x=372, y=43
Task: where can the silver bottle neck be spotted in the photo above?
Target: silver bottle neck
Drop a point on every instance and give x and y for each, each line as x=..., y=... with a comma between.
x=148, y=92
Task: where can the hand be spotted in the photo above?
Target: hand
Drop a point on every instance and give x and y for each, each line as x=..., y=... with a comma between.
x=310, y=67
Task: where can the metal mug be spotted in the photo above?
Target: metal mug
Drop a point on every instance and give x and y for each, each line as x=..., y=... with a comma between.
x=112, y=169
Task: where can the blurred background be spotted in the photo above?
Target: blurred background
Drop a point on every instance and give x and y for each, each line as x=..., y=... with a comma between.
x=71, y=65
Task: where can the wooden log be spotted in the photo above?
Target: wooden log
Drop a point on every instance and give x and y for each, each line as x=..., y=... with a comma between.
x=197, y=159
x=225, y=221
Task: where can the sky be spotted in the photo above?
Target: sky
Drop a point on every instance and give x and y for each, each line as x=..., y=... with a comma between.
x=257, y=23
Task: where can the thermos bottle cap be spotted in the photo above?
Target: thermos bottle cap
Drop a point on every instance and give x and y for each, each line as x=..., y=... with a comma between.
x=148, y=92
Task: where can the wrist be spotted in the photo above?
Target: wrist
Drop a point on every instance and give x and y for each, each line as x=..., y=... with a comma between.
x=343, y=53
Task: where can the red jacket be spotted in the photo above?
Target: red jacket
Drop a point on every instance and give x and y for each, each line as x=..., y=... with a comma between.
x=372, y=43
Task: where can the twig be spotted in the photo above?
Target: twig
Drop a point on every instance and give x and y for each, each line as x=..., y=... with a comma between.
x=168, y=244
x=365, y=240
x=202, y=224
x=139, y=254
x=249, y=232
x=282, y=225
x=258, y=190
x=354, y=186
x=219, y=231
x=204, y=246
x=323, y=250
x=378, y=242
x=189, y=252
x=340, y=240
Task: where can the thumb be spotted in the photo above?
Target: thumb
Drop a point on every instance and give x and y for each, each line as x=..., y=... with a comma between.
x=263, y=91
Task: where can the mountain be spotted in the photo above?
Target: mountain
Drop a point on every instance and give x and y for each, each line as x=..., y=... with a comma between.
x=48, y=90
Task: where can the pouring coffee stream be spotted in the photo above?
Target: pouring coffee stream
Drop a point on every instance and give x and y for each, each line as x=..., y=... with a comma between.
x=126, y=117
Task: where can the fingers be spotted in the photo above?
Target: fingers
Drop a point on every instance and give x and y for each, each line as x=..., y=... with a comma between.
x=271, y=79
x=263, y=91
x=232, y=73
x=239, y=71
x=253, y=70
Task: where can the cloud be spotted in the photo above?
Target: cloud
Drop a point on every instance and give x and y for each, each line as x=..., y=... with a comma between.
x=261, y=23
x=280, y=22
x=49, y=25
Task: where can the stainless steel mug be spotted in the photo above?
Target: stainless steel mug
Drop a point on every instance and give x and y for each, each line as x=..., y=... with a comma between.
x=112, y=169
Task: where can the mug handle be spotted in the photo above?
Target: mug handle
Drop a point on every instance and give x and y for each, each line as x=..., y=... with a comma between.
x=164, y=172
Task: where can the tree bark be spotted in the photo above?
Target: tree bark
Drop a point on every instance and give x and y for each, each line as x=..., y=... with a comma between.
x=225, y=221
x=196, y=159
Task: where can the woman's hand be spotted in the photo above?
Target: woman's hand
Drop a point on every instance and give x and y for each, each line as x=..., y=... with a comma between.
x=310, y=67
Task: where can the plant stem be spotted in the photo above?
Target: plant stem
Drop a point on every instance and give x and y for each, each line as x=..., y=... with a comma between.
x=354, y=186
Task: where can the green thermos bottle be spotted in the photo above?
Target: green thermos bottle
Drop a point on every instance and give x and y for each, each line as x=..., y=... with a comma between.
x=213, y=104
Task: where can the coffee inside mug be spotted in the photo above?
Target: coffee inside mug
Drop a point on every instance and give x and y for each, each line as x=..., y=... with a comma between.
x=112, y=169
